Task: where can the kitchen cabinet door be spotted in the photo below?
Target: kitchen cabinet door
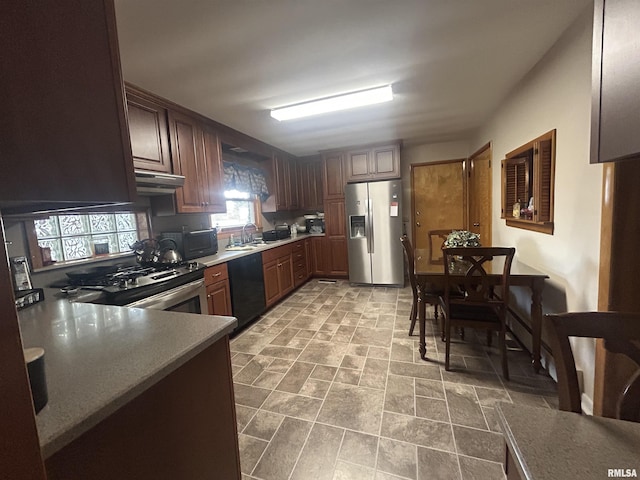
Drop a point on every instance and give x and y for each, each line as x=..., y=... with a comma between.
x=318, y=256
x=213, y=183
x=219, y=298
x=195, y=153
x=186, y=156
x=271, y=282
x=333, y=176
x=385, y=162
x=372, y=163
x=337, y=257
x=64, y=139
x=615, y=111
x=335, y=223
x=285, y=275
x=357, y=165
x=149, y=132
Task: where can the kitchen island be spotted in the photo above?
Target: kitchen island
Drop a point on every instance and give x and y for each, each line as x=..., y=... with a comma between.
x=134, y=393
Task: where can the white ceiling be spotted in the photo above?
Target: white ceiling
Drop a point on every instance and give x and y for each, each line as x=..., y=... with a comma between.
x=450, y=61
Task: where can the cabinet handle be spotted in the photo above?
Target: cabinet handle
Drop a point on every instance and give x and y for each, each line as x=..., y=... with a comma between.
x=417, y=224
x=209, y=296
x=476, y=224
x=217, y=274
x=279, y=265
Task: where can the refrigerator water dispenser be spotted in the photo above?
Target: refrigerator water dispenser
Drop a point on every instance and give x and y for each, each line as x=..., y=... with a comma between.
x=356, y=226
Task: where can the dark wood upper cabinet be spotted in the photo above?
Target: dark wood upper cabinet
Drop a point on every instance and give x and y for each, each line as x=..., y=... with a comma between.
x=149, y=132
x=333, y=176
x=310, y=183
x=615, y=117
x=195, y=153
x=63, y=131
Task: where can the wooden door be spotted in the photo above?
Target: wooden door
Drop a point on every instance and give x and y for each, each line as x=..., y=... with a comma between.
x=219, y=298
x=480, y=193
x=186, y=155
x=438, y=197
x=213, y=182
x=149, y=134
x=338, y=257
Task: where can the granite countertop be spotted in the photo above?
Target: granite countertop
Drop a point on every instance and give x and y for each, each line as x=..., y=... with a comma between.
x=98, y=358
x=549, y=444
x=224, y=255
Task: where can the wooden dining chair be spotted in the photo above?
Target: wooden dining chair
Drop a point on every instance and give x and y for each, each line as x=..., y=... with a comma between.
x=436, y=240
x=621, y=334
x=431, y=295
x=479, y=307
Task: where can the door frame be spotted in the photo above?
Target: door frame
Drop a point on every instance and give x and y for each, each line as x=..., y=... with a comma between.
x=468, y=166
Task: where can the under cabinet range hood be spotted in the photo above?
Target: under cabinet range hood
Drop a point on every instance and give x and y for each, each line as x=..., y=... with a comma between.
x=156, y=183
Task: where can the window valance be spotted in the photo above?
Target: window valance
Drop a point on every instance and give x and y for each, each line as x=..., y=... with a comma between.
x=245, y=179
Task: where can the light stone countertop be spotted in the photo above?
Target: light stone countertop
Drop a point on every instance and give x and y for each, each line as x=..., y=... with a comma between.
x=98, y=358
x=549, y=444
x=224, y=255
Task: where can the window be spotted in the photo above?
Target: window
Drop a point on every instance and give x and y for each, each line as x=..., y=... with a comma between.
x=527, y=185
x=241, y=209
x=72, y=237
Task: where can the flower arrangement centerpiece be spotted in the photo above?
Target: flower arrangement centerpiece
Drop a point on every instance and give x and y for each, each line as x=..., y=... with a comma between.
x=462, y=238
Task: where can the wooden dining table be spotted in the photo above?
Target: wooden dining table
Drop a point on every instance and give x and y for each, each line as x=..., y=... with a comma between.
x=432, y=274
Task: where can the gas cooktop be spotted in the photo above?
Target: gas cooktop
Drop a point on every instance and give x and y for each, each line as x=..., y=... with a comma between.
x=120, y=285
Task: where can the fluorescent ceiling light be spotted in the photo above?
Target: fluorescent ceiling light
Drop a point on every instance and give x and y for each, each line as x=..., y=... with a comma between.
x=333, y=104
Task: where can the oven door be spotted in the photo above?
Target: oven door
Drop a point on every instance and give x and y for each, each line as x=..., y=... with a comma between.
x=188, y=298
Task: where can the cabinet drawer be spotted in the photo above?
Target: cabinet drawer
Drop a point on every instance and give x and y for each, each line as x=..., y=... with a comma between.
x=216, y=273
x=275, y=253
x=299, y=265
x=299, y=277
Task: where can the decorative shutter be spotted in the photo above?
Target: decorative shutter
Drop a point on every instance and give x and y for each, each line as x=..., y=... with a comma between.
x=544, y=204
x=515, y=183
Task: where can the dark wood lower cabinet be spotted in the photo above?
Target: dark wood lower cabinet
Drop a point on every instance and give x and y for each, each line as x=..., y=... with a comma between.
x=277, y=269
x=182, y=427
x=219, y=298
x=329, y=257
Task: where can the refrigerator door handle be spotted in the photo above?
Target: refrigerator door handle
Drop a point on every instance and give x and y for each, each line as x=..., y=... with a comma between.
x=371, y=234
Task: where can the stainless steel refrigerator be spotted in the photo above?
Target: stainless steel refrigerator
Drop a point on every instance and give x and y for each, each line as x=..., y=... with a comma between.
x=374, y=228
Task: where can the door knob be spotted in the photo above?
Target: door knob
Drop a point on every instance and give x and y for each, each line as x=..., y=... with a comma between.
x=417, y=224
x=417, y=213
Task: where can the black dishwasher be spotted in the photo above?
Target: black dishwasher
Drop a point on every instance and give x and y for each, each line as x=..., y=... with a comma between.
x=246, y=281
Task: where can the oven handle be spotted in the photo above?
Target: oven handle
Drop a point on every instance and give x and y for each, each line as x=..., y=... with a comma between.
x=170, y=298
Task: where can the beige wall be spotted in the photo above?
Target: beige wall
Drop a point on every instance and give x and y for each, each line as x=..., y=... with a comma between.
x=556, y=93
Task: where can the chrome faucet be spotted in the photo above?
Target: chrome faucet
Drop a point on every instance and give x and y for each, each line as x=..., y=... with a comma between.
x=244, y=238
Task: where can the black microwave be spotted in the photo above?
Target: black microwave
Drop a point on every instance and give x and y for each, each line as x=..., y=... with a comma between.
x=195, y=244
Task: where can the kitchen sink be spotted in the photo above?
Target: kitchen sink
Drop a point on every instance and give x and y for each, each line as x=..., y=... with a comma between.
x=241, y=248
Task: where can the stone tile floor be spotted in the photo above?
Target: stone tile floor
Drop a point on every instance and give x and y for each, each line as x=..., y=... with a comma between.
x=329, y=385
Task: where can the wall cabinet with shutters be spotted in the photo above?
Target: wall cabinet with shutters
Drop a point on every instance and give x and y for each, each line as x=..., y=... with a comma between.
x=216, y=280
x=195, y=153
x=278, y=273
x=149, y=132
x=372, y=163
x=528, y=178
x=615, y=111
